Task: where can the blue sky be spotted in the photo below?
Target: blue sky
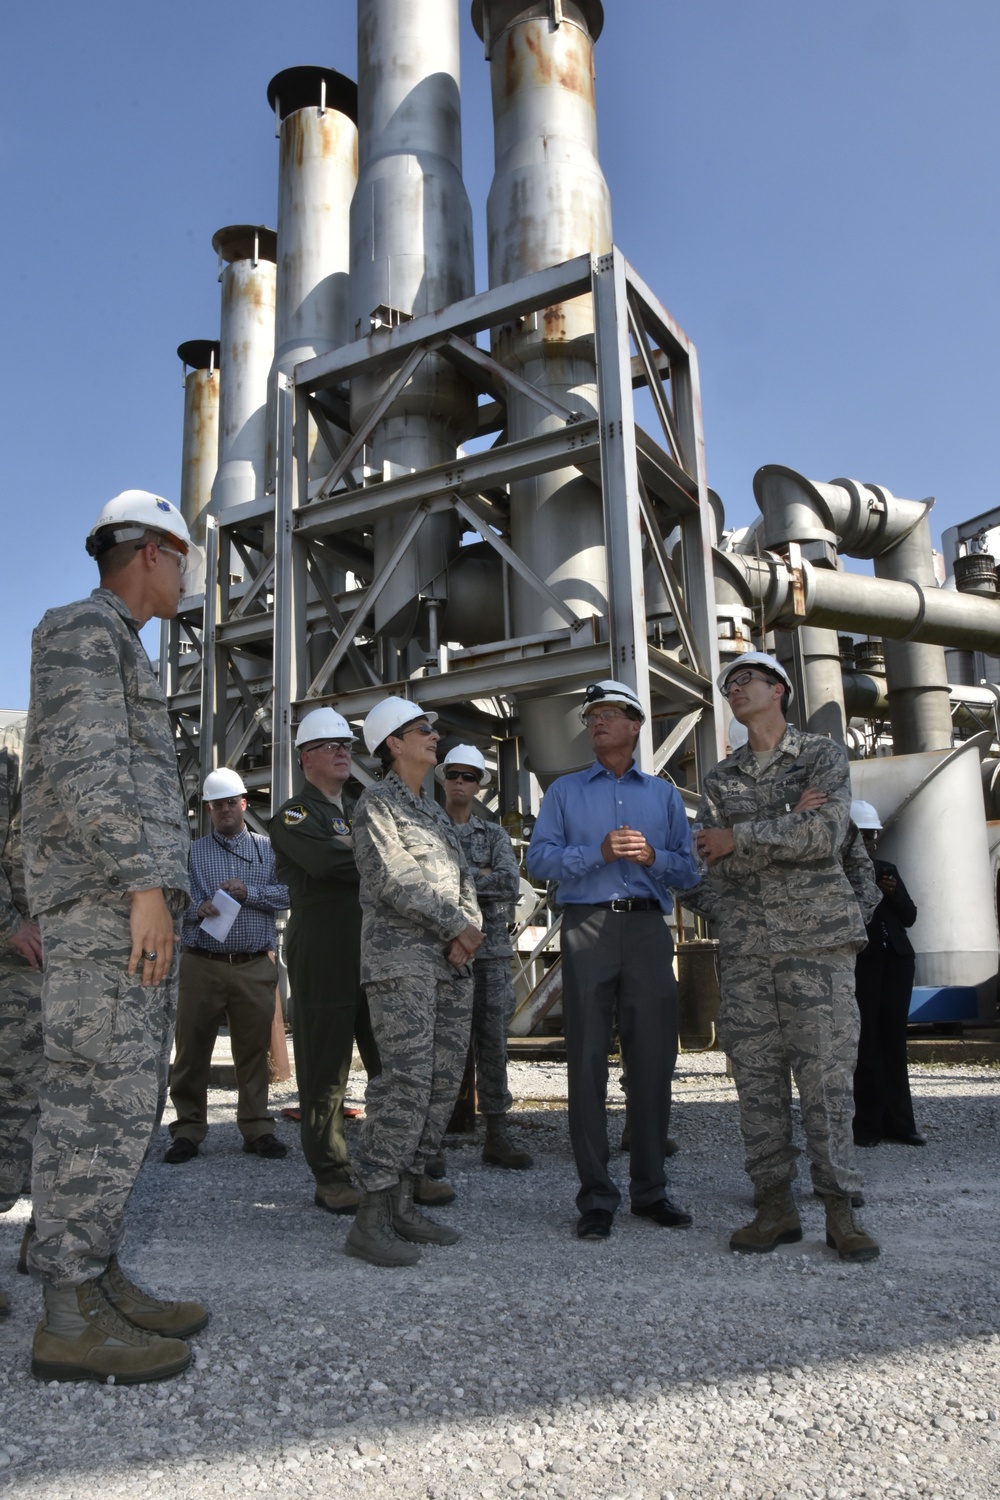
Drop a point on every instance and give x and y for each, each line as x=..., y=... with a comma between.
x=810, y=190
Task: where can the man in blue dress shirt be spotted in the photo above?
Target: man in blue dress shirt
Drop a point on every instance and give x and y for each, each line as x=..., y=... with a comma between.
x=230, y=980
x=616, y=839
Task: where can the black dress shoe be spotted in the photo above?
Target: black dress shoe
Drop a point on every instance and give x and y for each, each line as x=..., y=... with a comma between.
x=665, y=1213
x=907, y=1140
x=180, y=1149
x=266, y=1145
x=595, y=1224
x=867, y=1141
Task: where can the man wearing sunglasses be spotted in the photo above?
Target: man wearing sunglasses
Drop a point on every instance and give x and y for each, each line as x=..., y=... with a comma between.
x=314, y=844
x=106, y=843
x=227, y=979
x=616, y=840
x=494, y=868
x=775, y=815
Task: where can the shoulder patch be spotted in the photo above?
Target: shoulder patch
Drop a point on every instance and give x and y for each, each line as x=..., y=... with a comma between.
x=341, y=826
x=294, y=814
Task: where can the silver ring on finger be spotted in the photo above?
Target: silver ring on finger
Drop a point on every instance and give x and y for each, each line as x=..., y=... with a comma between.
x=149, y=957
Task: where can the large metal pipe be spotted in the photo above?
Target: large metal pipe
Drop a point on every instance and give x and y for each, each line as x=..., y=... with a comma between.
x=868, y=606
x=548, y=202
x=200, y=445
x=919, y=703
x=316, y=112
x=247, y=255
x=411, y=253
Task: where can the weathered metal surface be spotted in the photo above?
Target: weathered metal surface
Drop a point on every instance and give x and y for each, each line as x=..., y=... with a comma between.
x=246, y=349
x=411, y=252
x=200, y=445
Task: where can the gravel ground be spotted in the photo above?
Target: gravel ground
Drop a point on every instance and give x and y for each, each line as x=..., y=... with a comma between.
x=656, y=1364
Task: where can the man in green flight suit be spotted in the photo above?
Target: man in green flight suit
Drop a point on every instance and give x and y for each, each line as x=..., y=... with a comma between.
x=313, y=845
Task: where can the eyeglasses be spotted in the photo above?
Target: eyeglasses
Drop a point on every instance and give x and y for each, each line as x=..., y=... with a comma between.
x=740, y=679
x=225, y=802
x=182, y=562
x=330, y=745
x=462, y=776
x=423, y=728
x=605, y=715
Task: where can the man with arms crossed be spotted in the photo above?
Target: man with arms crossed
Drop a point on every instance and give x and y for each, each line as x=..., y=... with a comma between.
x=775, y=815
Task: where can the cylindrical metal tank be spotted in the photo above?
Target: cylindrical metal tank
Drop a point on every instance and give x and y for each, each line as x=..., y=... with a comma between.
x=200, y=446
x=411, y=253
x=939, y=842
x=548, y=202
x=318, y=169
x=919, y=701
x=247, y=254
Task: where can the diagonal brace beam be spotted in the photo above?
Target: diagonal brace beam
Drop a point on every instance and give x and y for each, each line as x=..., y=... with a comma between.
x=518, y=564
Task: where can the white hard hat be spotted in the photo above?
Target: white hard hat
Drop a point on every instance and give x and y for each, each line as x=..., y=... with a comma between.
x=610, y=691
x=323, y=724
x=863, y=815
x=223, y=783
x=756, y=659
x=130, y=515
x=464, y=755
x=388, y=716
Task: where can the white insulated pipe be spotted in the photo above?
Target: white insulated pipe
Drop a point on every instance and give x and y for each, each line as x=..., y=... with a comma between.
x=247, y=273
x=411, y=253
x=199, y=446
x=316, y=111
x=548, y=202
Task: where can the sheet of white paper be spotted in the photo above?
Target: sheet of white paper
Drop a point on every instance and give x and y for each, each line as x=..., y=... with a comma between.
x=218, y=927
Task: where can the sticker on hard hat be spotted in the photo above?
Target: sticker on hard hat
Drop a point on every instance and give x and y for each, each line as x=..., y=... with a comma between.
x=296, y=814
x=163, y=505
x=341, y=826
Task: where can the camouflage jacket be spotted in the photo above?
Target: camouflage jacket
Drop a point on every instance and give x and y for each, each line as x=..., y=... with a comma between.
x=783, y=889
x=103, y=806
x=13, y=897
x=417, y=891
x=314, y=848
x=488, y=844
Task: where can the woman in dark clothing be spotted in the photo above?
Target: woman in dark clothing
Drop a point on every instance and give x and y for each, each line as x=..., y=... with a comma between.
x=884, y=977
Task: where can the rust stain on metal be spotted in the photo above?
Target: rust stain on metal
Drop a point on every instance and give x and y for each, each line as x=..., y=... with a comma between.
x=554, y=323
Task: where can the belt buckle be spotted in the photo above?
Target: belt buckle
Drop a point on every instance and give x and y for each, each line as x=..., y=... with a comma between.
x=621, y=903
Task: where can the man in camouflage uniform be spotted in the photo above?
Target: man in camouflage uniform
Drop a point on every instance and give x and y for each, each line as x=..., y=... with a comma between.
x=314, y=853
x=105, y=851
x=420, y=929
x=21, y=1059
x=490, y=857
x=789, y=928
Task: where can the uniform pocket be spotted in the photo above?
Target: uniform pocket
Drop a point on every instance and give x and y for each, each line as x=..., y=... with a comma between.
x=82, y=1010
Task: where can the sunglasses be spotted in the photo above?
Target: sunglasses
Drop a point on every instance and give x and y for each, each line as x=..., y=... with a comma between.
x=420, y=728
x=462, y=776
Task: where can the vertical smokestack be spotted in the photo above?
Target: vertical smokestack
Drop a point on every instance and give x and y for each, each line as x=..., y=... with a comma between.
x=200, y=449
x=548, y=202
x=411, y=253
x=317, y=110
x=247, y=347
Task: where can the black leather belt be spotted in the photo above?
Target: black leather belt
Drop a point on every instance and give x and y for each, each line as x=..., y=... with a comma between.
x=628, y=903
x=228, y=958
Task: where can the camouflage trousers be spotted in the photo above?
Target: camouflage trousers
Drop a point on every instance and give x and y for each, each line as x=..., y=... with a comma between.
x=21, y=1065
x=493, y=1005
x=421, y=1024
x=784, y=1015
x=107, y=1049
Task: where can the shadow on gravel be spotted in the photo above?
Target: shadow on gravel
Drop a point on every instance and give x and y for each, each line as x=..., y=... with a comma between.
x=521, y=1322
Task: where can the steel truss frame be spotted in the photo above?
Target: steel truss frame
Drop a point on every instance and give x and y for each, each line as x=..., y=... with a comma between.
x=237, y=686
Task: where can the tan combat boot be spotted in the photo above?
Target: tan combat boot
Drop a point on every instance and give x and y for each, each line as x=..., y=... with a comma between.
x=82, y=1337
x=499, y=1150
x=776, y=1222
x=844, y=1233
x=410, y=1224
x=177, y=1320
x=431, y=1192
x=372, y=1237
x=337, y=1197
x=22, y=1254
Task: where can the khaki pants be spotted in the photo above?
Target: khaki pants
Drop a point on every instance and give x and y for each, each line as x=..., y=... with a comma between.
x=212, y=992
